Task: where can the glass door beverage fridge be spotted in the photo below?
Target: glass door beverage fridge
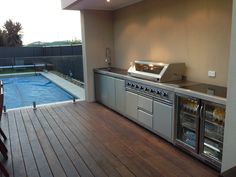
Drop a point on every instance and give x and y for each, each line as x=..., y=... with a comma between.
x=212, y=132
x=199, y=128
x=187, y=125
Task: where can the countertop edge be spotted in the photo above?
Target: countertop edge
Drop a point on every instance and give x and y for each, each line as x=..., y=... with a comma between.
x=215, y=99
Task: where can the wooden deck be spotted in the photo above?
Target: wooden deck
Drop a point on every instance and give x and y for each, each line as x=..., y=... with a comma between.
x=87, y=139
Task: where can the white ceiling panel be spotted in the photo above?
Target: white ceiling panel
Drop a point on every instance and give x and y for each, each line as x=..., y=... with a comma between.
x=98, y=4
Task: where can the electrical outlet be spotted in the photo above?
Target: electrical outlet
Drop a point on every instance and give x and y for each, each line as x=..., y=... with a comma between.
x=211, y=74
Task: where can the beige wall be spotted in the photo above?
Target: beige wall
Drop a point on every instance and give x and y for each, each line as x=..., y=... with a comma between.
x=97, y=35
x=229, y=154
x=196, y=32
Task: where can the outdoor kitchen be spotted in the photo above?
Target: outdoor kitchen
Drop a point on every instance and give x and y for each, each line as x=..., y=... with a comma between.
x=149, y=91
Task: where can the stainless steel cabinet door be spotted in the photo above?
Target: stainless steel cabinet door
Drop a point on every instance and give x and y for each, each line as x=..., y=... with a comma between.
x=120, y=95
x=110, y=92
x=162, y=120
x=100, y=88
x=97, y=81
x=131, y=105
x=105, y=90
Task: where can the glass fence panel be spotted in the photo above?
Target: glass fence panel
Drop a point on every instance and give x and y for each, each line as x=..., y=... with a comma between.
x=67, y=66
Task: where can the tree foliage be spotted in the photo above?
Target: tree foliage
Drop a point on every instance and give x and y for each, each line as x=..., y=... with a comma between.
x=11, y=35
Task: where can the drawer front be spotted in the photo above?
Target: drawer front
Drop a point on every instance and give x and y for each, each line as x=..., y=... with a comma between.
x=145, y=118
x=145, y=103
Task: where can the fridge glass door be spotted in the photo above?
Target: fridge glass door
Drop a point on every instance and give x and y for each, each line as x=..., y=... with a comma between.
x=187, y=122
x=213, y=131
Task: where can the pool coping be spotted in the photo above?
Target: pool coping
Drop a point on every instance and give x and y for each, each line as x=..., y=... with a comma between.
x=69, y=87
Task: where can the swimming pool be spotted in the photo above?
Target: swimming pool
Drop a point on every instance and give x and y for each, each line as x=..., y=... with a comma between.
x=21, y=91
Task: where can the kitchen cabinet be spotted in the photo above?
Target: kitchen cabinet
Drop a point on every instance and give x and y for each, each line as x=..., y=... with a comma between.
x=131, y=105
x=162, y=120
x=100, y=90
x=105, y=90
x=120, y=95
x=110, y=91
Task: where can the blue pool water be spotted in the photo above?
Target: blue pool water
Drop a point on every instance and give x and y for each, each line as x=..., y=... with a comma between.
x=21, y=91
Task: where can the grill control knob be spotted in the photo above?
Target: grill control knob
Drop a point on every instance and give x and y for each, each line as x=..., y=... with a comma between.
x=141, y=88
x=128, y=84
x=158, y=92
x=132, y=85
x=152, y=91
x=146, y=89
x=137, y=86
x=164, y=94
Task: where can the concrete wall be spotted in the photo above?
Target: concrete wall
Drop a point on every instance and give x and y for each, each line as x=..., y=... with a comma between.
x=196, y=32
x=229, y=154
x=97, y=35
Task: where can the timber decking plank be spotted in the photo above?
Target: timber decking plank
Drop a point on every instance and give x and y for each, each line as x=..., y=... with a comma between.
x=137, y=164
x=5, y=127
x=178, y=158
x=94, y=147
x=89, y=140
x=91, y=163
x=67, y=126
x=140, y=148
x=41, y=161
x=58, y=149
x=30, y=164
x=69, y=148
x=115, y=122
x=17, y=158
x=51, y=156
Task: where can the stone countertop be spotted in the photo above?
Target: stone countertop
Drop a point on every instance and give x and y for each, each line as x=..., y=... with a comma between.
x=174, y=86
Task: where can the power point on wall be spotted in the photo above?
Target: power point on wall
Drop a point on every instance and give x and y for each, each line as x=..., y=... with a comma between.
x=211, y=74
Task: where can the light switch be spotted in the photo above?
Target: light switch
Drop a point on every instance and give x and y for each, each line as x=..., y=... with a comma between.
x=211, y=74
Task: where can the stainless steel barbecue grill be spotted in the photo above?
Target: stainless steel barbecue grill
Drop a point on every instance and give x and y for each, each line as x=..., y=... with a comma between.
x=157, y=71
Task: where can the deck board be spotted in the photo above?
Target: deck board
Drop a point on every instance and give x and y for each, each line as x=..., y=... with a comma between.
x=89, y=140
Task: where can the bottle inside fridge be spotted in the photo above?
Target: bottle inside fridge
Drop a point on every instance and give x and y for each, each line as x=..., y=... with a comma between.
x=213, y=131
x=187, y=121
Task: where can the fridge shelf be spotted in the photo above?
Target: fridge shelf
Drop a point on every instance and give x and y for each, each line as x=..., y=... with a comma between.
x=214, y=139
x=214, y=123
x=188, y=126
x=190, y=115
x=212, y=156
x=212, y=147
x=215, y=115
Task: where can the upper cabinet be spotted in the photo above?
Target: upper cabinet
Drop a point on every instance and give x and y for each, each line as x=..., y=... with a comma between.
x=96, y=4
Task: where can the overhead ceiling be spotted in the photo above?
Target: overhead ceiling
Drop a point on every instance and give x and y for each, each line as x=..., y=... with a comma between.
x=99, y=4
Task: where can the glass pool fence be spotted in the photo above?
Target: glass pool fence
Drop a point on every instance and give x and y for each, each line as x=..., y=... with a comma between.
x=67, y=66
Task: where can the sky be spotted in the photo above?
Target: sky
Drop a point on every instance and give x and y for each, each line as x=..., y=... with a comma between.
x=42, y=20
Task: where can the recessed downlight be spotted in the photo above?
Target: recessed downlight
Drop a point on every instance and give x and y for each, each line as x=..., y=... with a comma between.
x=108, y=0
